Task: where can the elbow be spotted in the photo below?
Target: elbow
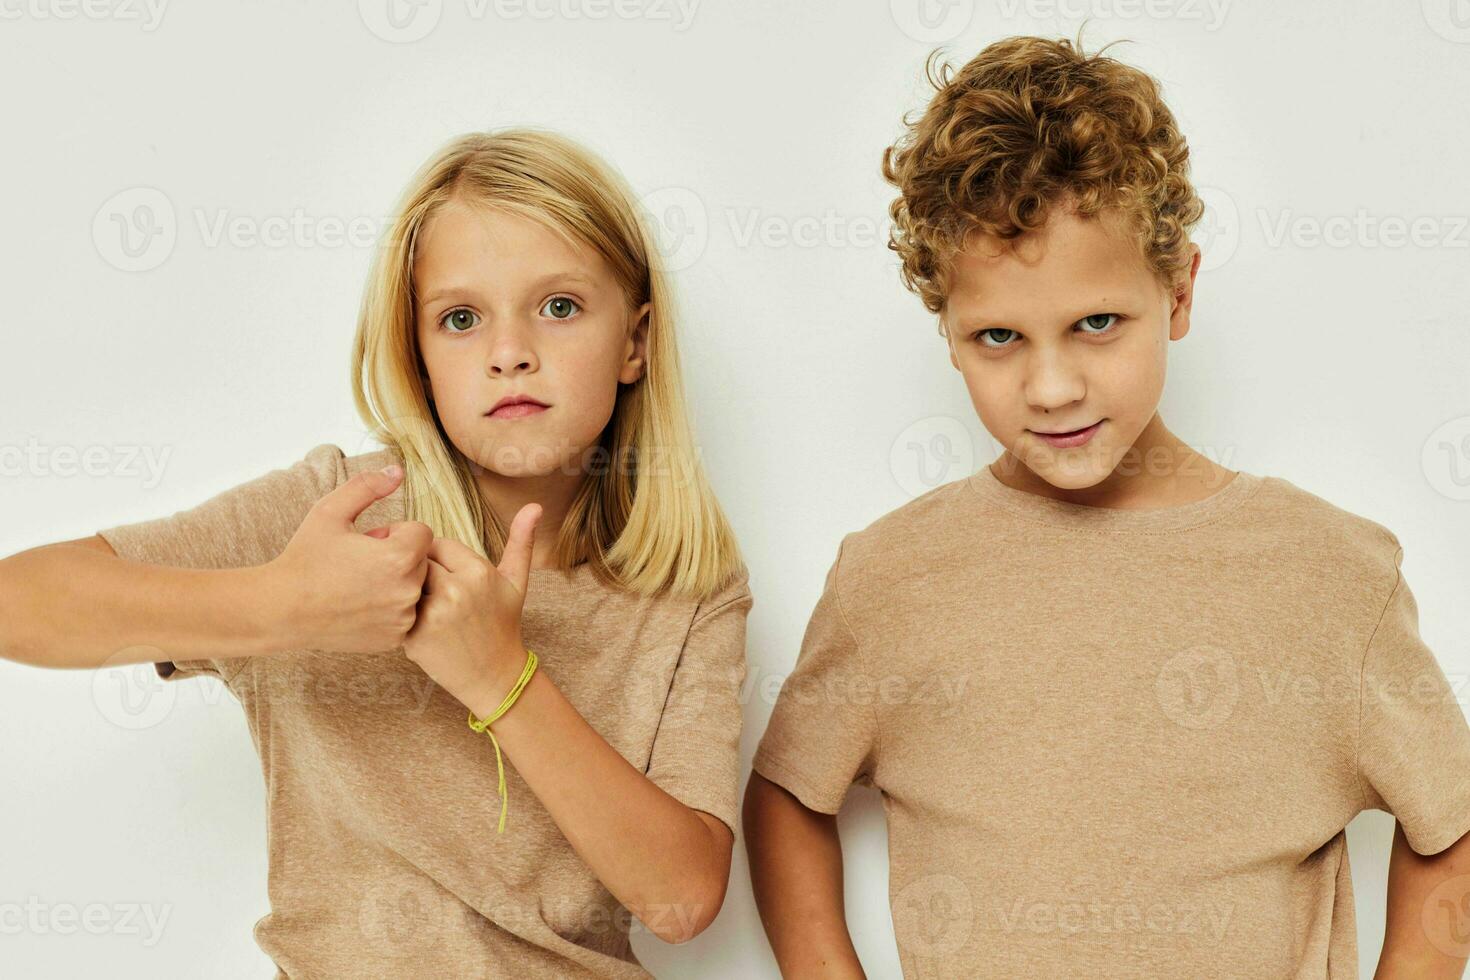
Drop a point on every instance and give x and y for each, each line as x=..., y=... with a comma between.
x=690, y=889
x=694, y=910
x=10, y=650
x=698, y=892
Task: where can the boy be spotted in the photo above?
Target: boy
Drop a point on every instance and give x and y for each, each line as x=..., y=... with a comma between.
x=1176, y=683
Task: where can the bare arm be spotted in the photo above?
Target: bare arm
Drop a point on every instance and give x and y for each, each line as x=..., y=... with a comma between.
x=796, y=871
x=1427, y=935
x=667, y=863
x=76, y=604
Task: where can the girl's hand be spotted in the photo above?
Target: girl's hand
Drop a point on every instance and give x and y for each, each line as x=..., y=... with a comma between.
x=467, y=636
x=340, y=589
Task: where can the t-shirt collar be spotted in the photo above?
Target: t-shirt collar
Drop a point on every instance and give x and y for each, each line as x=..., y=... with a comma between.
x=1061, y=513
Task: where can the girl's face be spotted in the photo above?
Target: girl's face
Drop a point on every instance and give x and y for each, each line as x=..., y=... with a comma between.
x=506, y=308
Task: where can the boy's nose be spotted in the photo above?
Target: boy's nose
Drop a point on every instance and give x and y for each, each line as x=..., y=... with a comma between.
x=1054, y=385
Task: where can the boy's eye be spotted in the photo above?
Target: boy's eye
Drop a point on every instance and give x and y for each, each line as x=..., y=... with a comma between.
x=560, y=307
x=980, y=336
x=1094, y=324
x=458, y=320
x=1091, y=321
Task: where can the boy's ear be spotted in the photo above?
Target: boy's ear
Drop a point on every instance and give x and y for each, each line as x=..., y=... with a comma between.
x=948, y=341
x=1182, y=302
x=635, y=351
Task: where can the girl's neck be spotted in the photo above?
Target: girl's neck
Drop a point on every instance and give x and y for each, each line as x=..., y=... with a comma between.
x=506, y=495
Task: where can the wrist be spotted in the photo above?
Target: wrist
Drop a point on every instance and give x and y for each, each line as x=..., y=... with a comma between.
x=498, y=681
x=271, y=609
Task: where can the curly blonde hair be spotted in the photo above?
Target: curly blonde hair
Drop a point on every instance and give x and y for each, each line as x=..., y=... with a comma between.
x=1027, y=124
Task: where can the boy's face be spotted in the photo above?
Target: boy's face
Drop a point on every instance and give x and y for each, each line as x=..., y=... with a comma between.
x=1069, y=332
x=505, y=306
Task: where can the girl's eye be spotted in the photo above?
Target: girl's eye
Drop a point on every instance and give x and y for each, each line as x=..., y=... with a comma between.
x=455, y=320
x=980, y=336
x=560, y=308
x=1091, y=321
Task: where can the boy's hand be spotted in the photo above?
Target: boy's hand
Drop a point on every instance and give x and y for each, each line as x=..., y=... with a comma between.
x=340, y=589
x=467, y=636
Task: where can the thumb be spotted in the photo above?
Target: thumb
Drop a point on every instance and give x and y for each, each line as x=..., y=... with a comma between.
x=345, y=503
x=515, y=562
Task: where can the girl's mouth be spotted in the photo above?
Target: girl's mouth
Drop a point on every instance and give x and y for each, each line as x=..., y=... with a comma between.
x=518, y=410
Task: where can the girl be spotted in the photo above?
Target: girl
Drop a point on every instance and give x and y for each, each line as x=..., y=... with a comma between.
x=492, y=668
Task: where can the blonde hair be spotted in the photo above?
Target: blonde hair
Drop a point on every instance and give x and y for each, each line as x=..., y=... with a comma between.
x=1028, y=123
x=648, y=521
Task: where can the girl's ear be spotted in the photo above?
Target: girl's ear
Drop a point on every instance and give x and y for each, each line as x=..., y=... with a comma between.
x=635, y=351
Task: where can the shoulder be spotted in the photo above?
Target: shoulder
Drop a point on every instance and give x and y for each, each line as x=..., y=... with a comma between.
x=390, y=508
x=293, y=486
x=371, y=459
x=324, y=468
x=910, y=539
x=1322, y=529
x=734, y=593
x=1318, y=554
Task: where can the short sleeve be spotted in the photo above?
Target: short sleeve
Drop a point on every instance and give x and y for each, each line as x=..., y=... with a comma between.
x=1414, y=743
x=243, y=526
x=695, y=756
x=823, y=733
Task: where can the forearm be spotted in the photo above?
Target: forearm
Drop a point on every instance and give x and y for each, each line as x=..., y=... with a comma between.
x=796, y=873
x=1425, y=935
x=68, y=605
x=1417, y=964
x=656, y=855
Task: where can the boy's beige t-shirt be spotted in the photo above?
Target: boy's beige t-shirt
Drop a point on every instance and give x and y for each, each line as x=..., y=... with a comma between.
x=382, y=808
x=1121, y=743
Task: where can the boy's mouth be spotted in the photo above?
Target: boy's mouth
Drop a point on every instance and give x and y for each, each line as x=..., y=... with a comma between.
x=1069, y=438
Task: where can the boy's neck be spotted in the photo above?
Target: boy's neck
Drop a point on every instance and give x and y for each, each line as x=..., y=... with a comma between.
x=1159, y=470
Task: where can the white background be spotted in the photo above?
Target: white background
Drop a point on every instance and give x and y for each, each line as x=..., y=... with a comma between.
x=822, y=395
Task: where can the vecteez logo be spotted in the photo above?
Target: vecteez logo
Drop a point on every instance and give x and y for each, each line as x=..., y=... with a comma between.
x=679, y=222
x=148, y=14
x=932, y=21
x=1218, y=231
x=135, y=230
x=400, y=21
x=1450, y=19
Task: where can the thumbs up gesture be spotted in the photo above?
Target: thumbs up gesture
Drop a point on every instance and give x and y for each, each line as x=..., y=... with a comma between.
x=467, y=635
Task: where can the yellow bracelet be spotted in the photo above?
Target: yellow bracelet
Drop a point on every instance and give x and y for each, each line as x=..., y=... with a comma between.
x=484, y=726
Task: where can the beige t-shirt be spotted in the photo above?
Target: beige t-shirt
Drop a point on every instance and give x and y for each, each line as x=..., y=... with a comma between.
x=1120, y=743
x=384, y=859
